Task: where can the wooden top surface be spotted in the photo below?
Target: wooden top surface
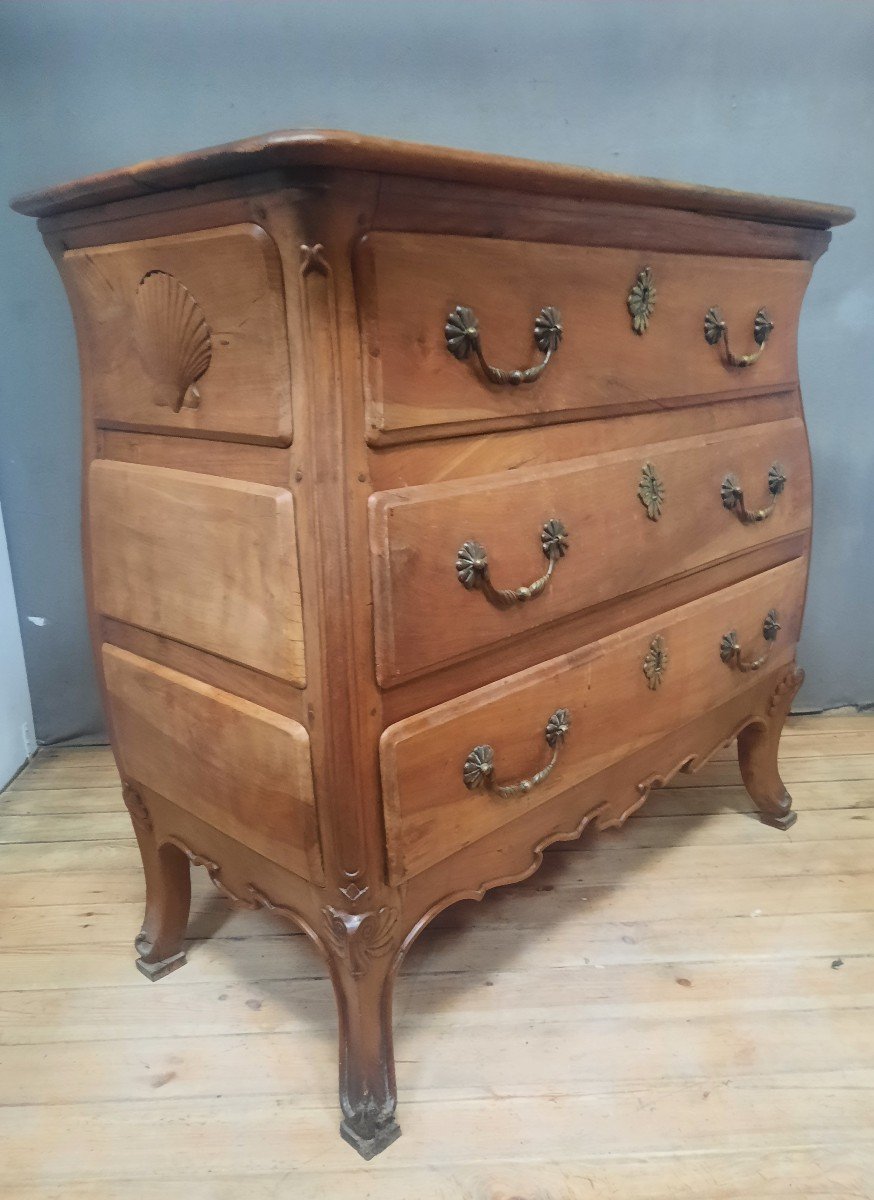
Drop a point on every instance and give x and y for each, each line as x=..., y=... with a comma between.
x=289, y=149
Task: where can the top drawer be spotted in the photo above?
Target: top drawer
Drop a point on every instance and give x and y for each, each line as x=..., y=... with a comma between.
x=186, y=334
x=409, y=284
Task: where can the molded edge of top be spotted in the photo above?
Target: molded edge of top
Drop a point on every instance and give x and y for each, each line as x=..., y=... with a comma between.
x=359, y=152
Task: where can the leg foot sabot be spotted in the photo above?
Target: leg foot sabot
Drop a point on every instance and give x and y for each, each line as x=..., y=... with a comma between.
x=370, y=1131
x=786, y=821
x=157, y=970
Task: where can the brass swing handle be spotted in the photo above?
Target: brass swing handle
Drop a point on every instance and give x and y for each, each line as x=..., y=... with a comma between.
x=733, y=496
x=472, y=568
x=730, y=647
x=479, y=766
x=716, y=331
x=463, y=336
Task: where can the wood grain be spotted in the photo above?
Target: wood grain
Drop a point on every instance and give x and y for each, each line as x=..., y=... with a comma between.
x=235, y=764
x=205, y=561
x=409, y=283
x=332, y=148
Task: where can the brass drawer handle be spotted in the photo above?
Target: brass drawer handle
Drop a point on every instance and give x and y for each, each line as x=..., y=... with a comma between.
x=733, y=496
x=730, y=648
x=472, y=568
x=479, y=766
x=716, y=331
x=462, y=335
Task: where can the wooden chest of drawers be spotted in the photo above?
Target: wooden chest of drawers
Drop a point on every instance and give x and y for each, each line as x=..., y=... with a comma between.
x=435, y=506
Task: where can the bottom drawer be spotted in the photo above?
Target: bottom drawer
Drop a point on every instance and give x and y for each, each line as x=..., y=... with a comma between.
x=241, y=768
x=461, y=770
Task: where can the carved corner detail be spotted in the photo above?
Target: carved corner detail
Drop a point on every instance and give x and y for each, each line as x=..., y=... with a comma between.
x=312, y=258
x=136, y=806
x=353, y=892
x=359, y=937
x=786, y=689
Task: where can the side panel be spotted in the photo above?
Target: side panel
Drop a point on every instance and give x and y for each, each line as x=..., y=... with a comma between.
x=232, y=763
x=206, y=561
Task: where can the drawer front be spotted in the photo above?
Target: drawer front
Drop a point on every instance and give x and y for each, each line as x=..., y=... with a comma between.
x=237, y=766
x=206, y=561
x=429, y=612
x=620, y=694
x=186, y=334
x=408, y=284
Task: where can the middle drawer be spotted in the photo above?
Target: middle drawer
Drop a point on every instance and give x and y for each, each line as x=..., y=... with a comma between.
x=454, y=563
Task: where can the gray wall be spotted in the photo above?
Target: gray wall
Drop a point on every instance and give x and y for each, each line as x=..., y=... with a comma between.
x=775, y=97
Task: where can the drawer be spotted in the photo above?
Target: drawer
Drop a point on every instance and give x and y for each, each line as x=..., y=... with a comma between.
x=186, y=334
x=241, y=768
x=209, y=562
x=429, y=612
x=408, y=285
x=618, y=698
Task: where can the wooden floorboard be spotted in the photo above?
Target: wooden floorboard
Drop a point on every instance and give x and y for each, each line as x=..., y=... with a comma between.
x=681, y=1008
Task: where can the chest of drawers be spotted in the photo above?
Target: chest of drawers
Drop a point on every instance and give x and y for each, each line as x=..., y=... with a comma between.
x=436, y=505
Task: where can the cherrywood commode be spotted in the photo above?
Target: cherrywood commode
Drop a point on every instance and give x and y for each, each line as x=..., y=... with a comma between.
x=435, y=506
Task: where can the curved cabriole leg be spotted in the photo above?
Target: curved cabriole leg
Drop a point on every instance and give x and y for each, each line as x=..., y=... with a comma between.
x=160, y=943
x=757, y=748
x=363, y=976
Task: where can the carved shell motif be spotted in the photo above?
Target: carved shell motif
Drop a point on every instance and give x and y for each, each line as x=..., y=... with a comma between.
x=173, y=339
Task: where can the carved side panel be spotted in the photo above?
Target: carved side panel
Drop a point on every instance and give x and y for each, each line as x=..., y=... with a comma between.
x=241, y=768
x=185, y=333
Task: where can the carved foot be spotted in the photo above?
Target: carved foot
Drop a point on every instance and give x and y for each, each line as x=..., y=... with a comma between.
x=362, y=954
x=371, y=1129
x=157, y=970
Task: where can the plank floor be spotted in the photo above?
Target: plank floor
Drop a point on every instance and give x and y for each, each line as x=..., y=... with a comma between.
x=681, y=1008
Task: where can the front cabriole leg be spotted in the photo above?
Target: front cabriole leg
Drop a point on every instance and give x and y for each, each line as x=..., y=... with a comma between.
x=757, y=748
x=363, y=953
